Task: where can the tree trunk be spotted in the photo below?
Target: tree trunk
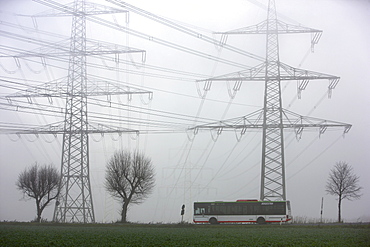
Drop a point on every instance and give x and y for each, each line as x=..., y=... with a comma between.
x=339, y=209
x=39, y=211
x=124, y=212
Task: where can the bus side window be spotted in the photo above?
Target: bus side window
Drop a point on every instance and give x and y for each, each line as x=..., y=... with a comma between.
x=198, y=211
x=251, y=209
x=245, y=209
x=236, y=210
x=214, y=209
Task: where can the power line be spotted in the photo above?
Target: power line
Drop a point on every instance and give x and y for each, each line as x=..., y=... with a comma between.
x=99, y=102
x=182, y=28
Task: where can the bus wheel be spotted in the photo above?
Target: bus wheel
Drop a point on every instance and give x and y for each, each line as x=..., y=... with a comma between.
x=261, y=220
x=213, y=221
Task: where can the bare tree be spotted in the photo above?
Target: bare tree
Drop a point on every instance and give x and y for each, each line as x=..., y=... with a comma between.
x=129, y=178
x=40, y=183
x=343, y=183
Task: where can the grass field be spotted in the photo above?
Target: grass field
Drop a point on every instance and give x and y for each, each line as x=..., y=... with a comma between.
x=33, y=234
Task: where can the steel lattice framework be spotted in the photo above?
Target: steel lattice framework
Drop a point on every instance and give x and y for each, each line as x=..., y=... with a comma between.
x=75, y=200
x=273, y=119
x=75, y=203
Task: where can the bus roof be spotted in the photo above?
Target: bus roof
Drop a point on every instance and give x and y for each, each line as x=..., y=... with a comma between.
x=239, y=201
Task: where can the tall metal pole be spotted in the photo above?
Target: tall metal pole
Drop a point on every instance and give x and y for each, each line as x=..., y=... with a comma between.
x=322, y=208
x=272, y=171
x=75, y=202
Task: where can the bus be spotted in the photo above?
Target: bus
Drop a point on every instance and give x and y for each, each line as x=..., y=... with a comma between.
x=242, y=211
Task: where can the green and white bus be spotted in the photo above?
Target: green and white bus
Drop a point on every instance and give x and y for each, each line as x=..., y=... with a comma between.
x=242, y=211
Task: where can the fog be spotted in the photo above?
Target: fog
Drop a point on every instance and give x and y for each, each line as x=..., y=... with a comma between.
x=205, y=166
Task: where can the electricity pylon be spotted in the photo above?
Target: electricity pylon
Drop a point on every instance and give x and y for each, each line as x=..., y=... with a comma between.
x=273, y=119
x=74, y=203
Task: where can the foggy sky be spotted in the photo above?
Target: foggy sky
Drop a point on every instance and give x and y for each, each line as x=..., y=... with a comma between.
x=204, y=169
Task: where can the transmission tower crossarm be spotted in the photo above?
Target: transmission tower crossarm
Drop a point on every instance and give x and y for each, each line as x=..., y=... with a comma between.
x=67, y=9
x=257, y=73
x=298, y=122
x=104, y=87
x=252, y=120
x=59, y=49
x=58, y=88
x=280, y=28
x=58, y=128
x=290, y=73
x=286, y=73
x=262, y=28
x=290, y=120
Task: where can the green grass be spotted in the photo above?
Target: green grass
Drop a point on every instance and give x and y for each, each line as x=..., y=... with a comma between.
x=33, y=234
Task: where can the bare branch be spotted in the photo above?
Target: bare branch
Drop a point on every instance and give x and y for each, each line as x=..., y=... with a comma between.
x=40, y=183
x=129, y=178
x=343, y=183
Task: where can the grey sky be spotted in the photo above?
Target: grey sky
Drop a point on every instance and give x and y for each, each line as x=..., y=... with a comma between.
x=203, y=169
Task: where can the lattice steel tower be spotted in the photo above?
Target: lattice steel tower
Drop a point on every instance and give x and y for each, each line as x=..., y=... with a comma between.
x=272, y=119
x=75, y=203
x=75, y=199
